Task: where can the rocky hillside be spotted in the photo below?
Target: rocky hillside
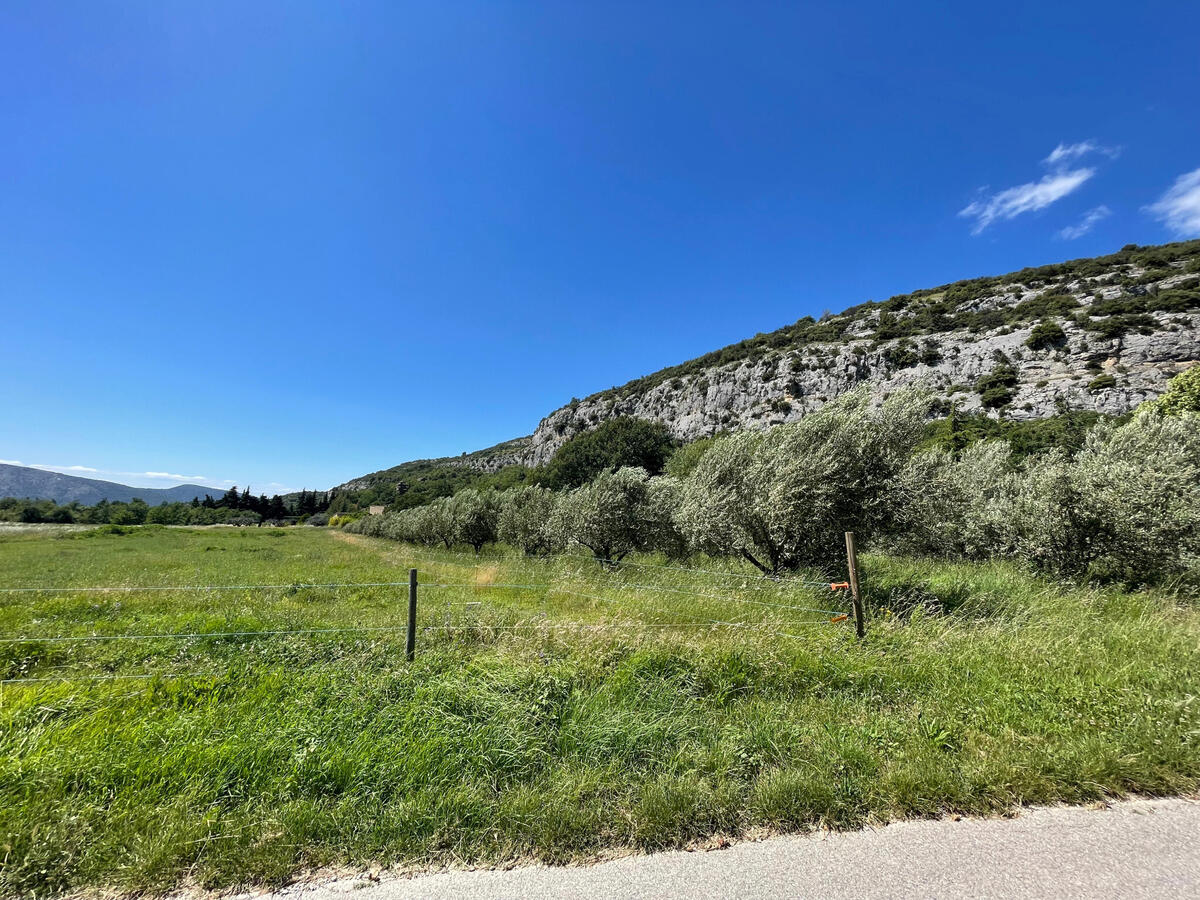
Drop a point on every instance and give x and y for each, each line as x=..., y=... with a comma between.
x=1098, y=334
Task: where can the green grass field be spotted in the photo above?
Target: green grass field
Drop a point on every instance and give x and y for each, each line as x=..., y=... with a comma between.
x=708, y=704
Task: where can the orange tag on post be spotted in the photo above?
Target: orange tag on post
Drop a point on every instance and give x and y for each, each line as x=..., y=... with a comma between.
x=842, y=618
x=840, y=585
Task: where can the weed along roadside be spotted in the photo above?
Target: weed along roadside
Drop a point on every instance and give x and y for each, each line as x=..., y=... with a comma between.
x=556, y=708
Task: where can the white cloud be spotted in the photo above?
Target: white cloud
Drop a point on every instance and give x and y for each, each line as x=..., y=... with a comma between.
x=1023, y=198
x=11, y=462
x=1179, y=207
x=171, y=477
x=1066, y=152
x=1086, y=224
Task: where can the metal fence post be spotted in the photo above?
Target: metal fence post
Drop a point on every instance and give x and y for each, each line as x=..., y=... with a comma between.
x=860, y=627
x=410, y=641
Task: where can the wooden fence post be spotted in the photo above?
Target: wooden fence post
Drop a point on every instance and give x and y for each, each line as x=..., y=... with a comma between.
x=410, y=642
x=860, y=627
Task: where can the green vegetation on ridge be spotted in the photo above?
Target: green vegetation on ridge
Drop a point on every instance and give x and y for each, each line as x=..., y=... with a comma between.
x=947, y=308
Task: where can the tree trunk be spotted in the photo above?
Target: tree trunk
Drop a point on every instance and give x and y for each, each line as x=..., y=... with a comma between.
x=746, y=554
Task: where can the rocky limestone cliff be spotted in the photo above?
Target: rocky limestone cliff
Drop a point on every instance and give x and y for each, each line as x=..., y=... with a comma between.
x=783, y=386
x=762, y=394
x=1129, y=323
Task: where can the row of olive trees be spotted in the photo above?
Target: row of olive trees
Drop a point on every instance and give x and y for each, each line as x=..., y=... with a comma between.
x=1126, y=507
x=616, y=513
x=780, y=499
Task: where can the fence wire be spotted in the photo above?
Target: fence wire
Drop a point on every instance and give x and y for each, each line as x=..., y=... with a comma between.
x=544, y=626
x=134, y=588
x=774, y=579
x=477, y=562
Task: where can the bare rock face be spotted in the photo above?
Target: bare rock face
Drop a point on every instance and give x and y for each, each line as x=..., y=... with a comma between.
x=783, y=386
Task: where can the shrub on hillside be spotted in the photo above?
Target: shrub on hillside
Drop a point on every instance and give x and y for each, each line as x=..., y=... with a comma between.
x=996, y=388
x=1182, y=394
x=619, y=442
x=1045, y=335
x=1067, y=431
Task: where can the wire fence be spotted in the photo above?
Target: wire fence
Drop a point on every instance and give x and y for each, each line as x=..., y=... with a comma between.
x=440, y=614
x=478, y=561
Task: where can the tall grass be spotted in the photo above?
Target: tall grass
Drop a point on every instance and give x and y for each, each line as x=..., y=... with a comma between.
x=976, y=688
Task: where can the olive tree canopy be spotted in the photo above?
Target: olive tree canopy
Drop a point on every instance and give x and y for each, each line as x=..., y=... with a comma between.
x=607, y=515
x=526, y=514
x=783, y=498
x=474, y=514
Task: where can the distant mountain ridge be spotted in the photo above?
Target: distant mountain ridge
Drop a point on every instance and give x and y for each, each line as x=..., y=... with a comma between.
x=37, y=484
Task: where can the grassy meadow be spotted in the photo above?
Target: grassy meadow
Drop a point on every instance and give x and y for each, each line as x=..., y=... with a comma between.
x=556, y=709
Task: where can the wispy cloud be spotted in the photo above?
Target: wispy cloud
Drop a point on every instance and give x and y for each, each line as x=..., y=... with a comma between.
x=1023, y=198
x=1067, y=152
x=1086, y=224
x=1035, y=195
x=170, y=476
x=50, y=467
x=1179, y=207
x=11, y=462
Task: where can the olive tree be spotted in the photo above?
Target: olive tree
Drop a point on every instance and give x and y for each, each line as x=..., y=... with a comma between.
x=660, y=523
x=1126, y=508
x=782, y=499
x=525, y=516
x=1044, y=521
x=435, y=523
x=474, y=514
x=946, y=502
x=607, y=515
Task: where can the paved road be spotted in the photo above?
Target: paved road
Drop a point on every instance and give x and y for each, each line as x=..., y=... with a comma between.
x=1144, y=848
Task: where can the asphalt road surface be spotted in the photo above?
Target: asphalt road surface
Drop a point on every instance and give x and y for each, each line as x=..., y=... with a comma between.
x=1141, y=848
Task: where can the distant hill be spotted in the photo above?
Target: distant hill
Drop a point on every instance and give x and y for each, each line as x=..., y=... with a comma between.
x=36, y=484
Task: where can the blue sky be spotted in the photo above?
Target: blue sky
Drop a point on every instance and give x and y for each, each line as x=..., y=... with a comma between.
x=290, y=243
